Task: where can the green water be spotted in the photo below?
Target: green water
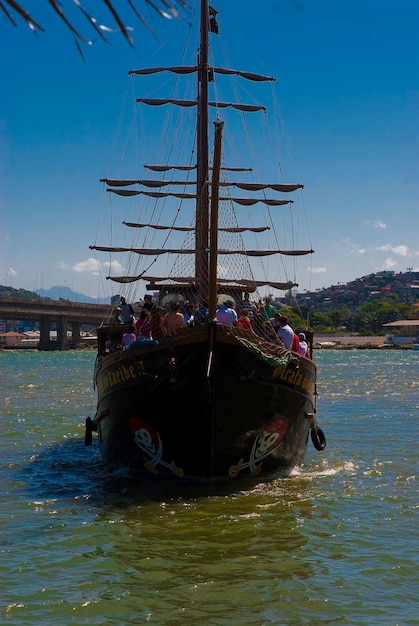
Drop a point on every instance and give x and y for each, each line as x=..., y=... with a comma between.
x=335, y=543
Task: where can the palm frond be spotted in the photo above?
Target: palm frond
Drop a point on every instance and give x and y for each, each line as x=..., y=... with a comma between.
x=167, y=9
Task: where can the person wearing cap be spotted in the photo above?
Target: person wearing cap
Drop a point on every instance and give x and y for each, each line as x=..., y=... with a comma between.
x=127, y=312
x=226, y=315
x=118, y=316
x=303, y=347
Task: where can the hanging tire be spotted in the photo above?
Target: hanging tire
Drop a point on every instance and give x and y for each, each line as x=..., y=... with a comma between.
x=88, y=432
x=318, y=438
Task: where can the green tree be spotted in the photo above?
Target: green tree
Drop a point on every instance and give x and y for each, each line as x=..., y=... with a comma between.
x=379, y=311
x=321, y=321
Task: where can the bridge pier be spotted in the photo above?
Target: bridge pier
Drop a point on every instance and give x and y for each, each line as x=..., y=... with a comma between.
x=44, y=328
x=45, y=341
x=62, y=338
x=75, y=334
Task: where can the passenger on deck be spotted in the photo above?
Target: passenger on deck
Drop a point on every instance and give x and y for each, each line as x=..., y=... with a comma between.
x=148, y=303
x=285, y=332
x=155, y=327
x=127, y=312
x=129, y=337
x=188, y=314
x=143, y=323
x=117, y=316
x=295, y=343
x=244, y=321
x=267, y=310
x=226, y=315
x=259, y=325
x=303, y=344
x=248, y=306
x=275, y=322
x=201, y=314
x=173, y=320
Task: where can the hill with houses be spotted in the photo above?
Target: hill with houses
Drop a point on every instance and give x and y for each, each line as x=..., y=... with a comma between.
x=361, y=306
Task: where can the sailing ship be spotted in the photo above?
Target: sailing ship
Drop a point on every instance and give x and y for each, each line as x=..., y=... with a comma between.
x=207, y=401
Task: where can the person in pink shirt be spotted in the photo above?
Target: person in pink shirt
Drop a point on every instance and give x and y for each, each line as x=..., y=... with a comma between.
x=143, y=323
x=129, y=337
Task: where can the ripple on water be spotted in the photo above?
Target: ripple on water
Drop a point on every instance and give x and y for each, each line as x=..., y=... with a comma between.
x=332, y=542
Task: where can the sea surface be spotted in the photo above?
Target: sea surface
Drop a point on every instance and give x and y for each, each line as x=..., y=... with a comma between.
x=337, y=542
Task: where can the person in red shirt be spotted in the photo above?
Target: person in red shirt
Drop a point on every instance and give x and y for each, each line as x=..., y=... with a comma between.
x=244, y=320
x=155, y=327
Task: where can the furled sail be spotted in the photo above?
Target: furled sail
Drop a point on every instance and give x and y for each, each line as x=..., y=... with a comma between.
x=188, y=229
x=285, y=188
x=188, y=168
x=166, y=168
x=184, y=229
x=244, y=283
x=192, y=196
x=190, y=69
x=223, y=281
x=248, y=108
x=159, y=251
x=146, y=183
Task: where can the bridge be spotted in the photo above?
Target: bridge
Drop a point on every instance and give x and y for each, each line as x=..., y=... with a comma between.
x=63, y=313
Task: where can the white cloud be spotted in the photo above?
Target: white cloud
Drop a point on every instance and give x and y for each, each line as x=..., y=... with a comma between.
x=390, y=263
x=356, y=250
x=11, y=271
x=63, y=266
x=113, y=267
x=346, y=246
x=92, y=266
x=89, y=266
x=379, y=224
x=317, y=270
x=400, y=250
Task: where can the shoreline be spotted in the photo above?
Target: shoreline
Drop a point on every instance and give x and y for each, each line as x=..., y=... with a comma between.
x=348, y=342
x=321, y=342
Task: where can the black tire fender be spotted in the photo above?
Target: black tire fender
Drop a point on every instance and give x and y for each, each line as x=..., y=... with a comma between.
x=88, y=432
x=318, y=438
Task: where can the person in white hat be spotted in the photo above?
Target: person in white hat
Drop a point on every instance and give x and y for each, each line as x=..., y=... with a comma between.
x=303, y=344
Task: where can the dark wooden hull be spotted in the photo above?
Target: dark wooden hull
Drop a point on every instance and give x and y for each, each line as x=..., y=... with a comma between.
x=208, y=403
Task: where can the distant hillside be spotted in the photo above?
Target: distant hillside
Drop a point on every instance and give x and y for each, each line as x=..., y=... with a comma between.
x=53, y=293
x=11, y=292
x=66, y=293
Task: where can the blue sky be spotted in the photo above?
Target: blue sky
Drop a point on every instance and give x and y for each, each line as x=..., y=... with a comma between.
x=348, y=76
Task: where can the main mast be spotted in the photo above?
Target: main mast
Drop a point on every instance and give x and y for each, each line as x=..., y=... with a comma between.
x=202, y=201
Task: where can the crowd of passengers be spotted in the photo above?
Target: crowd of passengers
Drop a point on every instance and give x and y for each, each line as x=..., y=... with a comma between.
x=155, y=322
